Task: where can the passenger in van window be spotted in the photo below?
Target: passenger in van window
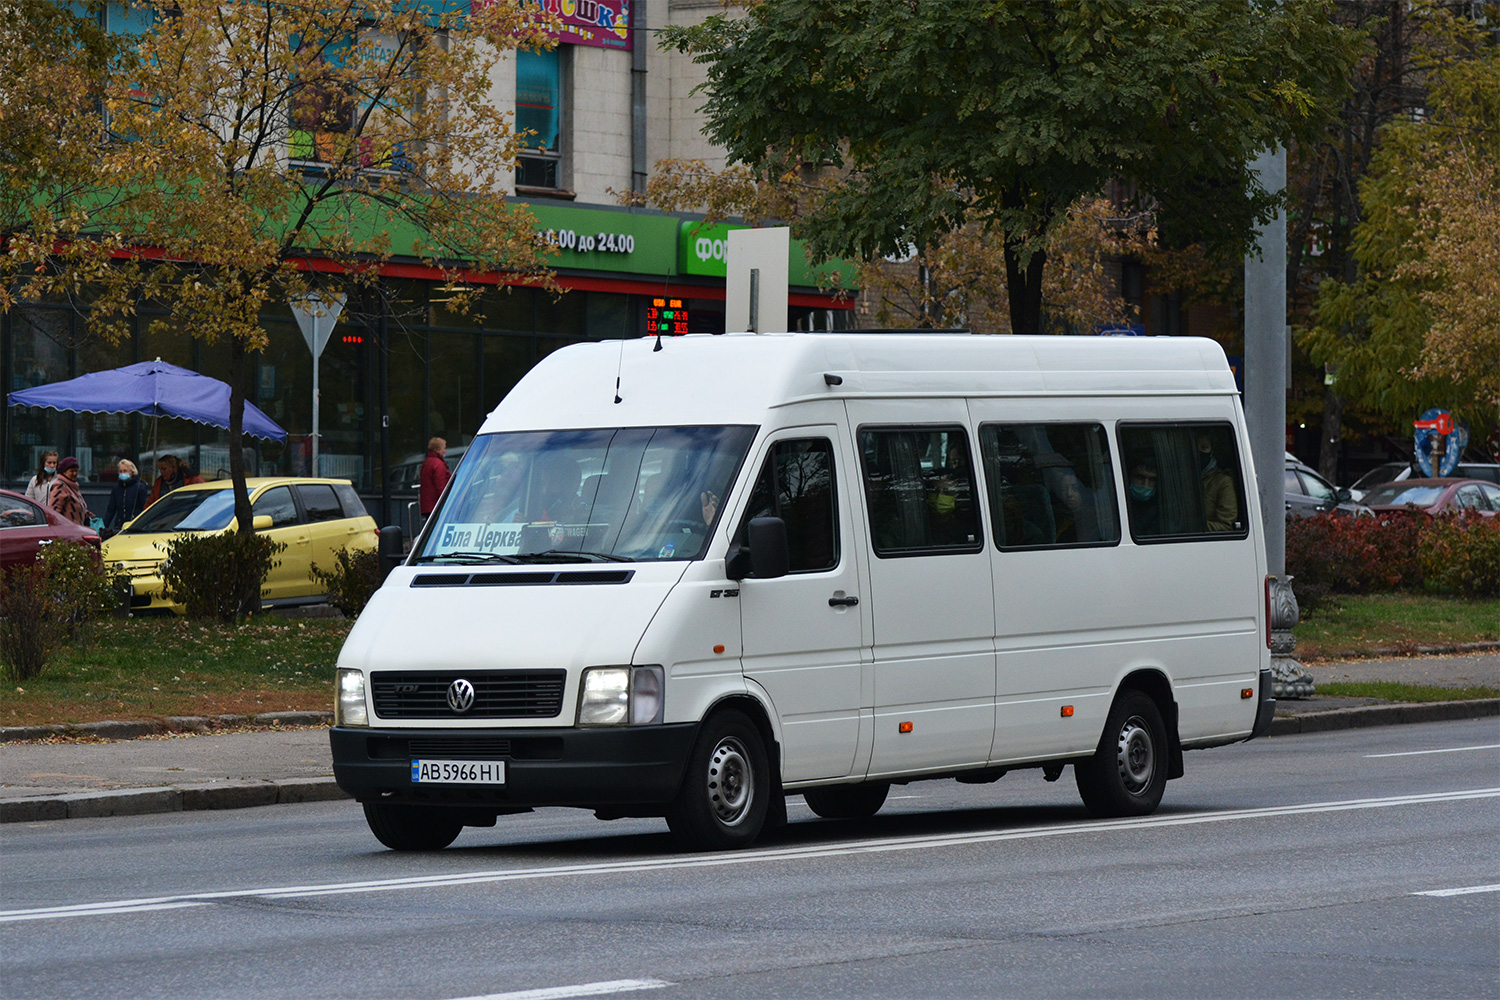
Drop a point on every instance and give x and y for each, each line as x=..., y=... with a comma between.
x=951, y=482
x=1145, y=506
x=555, y=489
x=1073, y=508
x=1221, y=507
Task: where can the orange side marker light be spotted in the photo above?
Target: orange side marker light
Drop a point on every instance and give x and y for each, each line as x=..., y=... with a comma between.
x=1067, y=711
x=1247, y=692
x=904, y=727
x=719, y=648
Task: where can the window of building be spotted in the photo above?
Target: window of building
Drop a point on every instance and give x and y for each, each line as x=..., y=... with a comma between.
x=1049, y=485
x=919, y=484
x=1183, y=481
x=797, y=485
x=539, y=99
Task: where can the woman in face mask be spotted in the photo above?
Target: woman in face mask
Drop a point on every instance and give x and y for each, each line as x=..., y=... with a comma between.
x=40, y=487
x=126, y=500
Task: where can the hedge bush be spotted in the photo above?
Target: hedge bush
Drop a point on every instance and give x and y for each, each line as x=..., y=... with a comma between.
x=351, y=581
x=1460, y=554
x=26, y=641
x=219, y=576
x=81, y=588
x=1450, y=553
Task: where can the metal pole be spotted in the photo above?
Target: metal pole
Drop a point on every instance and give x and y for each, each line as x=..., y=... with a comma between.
x=1265, y=363
x=1266, y=380
x=315, y=417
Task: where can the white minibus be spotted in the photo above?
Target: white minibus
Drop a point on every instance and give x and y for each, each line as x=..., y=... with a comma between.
x=690, y=578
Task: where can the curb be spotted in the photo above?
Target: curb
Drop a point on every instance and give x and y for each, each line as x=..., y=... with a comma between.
x=178, y=798
x=1383, y=715
x=169, y=724
x=1406, y=653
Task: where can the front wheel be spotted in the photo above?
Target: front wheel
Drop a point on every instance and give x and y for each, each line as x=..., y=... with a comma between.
x=1128, y=772
x=412, y=828
x=727, y=789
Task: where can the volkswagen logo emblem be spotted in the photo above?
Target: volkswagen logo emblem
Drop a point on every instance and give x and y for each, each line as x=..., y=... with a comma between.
x=460, y=696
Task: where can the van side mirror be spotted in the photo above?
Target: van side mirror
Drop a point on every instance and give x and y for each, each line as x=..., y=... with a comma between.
x=391, y=548
x=261, y=522
x=765, y=554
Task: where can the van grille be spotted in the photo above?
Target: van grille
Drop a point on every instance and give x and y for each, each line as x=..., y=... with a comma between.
x=498, y=694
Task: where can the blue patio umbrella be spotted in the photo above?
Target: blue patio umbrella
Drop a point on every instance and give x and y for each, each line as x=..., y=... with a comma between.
x=154, y=388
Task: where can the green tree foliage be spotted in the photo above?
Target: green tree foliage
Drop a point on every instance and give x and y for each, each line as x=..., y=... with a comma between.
x=1415, y=325
x=1005, y=113
x=247, y=153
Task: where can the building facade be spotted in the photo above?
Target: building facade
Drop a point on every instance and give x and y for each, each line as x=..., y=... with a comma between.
x=402, y=366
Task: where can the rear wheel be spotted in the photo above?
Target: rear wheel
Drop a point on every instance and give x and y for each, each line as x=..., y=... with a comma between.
x=848, y=801
x=727, y=790
x=412, y=828
x=1128, y=772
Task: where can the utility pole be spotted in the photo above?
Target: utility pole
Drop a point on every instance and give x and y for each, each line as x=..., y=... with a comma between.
x=1267, y=362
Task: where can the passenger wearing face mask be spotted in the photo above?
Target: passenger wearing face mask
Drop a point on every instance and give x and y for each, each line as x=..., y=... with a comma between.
x=40, y=487
x=127, y=499
x=1145, y=506
x=1221, y=508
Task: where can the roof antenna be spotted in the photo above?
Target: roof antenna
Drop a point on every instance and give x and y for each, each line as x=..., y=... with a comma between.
x=619, y=363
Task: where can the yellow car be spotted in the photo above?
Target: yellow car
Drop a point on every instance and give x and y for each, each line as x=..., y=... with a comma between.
x=314, y=517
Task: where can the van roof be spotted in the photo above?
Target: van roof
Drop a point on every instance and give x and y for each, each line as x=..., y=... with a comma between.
x=735, y=378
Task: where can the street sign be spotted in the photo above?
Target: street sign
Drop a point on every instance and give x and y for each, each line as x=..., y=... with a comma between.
x=316, y=317
x=1440, y=442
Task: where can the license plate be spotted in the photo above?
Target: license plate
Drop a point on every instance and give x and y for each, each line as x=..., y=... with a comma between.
x=458, y=772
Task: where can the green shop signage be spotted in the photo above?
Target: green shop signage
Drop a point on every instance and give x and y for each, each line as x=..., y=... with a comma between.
x=702, y=249
x=592, y=240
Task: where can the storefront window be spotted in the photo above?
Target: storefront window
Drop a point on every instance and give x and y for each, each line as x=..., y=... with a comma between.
x=506, y=359
x=455, y=413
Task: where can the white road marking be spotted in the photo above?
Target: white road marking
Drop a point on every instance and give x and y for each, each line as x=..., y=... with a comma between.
x=581, y=990
x=1418, y=753
x=1459, y=892
x=785, y=854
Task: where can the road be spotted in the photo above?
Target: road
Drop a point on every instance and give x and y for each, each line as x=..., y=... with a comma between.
x=1301, y=866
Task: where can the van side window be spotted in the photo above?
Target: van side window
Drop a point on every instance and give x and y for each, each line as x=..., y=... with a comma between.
x=1049, y=485
x=1183, y=481
x=919, y=484
x=797, y=485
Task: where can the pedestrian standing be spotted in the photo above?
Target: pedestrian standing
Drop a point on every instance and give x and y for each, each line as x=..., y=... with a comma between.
x=127, y=499
x=66, y=498
x=171, y=473
x=433, y=477
x=40, y=487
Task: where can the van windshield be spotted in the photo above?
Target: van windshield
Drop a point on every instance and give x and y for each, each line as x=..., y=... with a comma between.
x=627, y=494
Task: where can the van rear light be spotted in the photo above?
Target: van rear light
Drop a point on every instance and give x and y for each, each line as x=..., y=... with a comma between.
x=1268, y=612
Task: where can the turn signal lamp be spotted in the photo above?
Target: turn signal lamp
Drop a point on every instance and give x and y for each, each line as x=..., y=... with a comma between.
x=1067, y=711
x=904, y=727
x=1247, y=692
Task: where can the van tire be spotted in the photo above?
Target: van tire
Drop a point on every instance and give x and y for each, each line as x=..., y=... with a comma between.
x=1128, y=772
x=412, y=828
x=727, y=790
x=848, y=801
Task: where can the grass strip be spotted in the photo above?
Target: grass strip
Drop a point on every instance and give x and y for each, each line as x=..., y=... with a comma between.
x=1395, y=691
x=143, y=668
x=1360, y=625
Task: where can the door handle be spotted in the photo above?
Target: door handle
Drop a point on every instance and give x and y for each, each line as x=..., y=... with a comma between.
x=842, y=602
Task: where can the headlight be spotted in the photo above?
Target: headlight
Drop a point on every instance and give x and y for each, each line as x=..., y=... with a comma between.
x=349, y=708
x=615, y=696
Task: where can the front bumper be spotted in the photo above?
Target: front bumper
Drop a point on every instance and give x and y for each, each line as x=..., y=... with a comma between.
x=628, y=767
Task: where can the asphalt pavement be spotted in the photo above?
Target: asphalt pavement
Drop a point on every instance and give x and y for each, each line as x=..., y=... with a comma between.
x=50, y=774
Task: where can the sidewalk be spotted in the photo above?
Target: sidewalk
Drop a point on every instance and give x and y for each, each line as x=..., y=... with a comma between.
x=171, y=772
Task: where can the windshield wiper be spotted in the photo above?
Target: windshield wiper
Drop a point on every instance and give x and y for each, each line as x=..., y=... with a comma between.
x=569, y=555
x=470, y=557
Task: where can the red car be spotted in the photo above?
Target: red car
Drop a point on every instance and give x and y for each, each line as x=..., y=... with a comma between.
x=25, y=527
x=1434, y=496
